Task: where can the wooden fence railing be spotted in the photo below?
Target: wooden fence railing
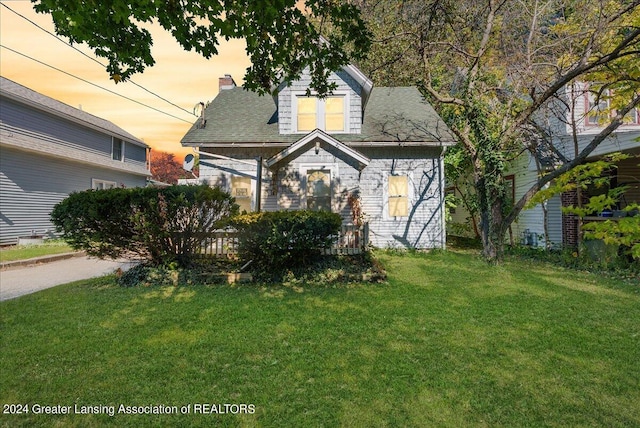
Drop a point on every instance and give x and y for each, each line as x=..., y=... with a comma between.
x=351, y=240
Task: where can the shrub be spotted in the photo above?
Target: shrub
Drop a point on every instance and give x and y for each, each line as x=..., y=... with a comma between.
x=280, y=238
x=163, y=225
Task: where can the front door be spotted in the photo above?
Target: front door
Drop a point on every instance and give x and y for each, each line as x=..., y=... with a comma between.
x=319, y=189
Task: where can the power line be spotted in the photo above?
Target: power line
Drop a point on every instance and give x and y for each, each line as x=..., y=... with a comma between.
x=93, y=84
x=93, y=59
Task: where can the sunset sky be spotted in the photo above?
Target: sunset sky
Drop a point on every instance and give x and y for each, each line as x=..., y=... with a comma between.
x=183, y=78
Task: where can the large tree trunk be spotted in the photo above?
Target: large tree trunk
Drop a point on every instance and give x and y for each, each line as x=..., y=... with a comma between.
x=492, y=225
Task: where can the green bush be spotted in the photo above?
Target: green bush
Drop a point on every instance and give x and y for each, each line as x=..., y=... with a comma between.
x=163, y=225
x=280, y=238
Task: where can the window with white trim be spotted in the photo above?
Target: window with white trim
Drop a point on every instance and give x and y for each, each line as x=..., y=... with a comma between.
x=117, y=149
x=327, y=114
x=97, y=184
x=632, y=118
x=319, y=189
x=398, y=195
x=241, y=190
x=599, y=111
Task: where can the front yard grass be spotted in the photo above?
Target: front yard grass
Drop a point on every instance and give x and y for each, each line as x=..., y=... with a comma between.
x=446, y=341
x=23, y=252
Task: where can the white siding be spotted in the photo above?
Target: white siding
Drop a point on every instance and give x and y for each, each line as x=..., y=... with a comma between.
x=423, y=228
x=31, y=184
x=345, y=83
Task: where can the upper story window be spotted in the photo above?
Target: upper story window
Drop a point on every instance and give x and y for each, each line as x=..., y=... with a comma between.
x=327, y=114
x=117, y=149
x=599, y=110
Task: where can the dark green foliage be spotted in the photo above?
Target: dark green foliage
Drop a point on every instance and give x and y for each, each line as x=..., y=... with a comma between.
x=163, y=225
x=205, y=272
x=614, y=265
x=283, y=238
x=327, y=271
x=98, y=222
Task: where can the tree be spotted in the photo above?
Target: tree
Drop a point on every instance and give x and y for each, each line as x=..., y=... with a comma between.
x=282, y=36
x=165, y=168
x=493, y=68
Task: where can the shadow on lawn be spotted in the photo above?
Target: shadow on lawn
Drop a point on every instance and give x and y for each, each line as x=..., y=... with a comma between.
x=448, y=341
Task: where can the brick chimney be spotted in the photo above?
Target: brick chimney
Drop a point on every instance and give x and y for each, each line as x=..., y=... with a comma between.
x=226, y=82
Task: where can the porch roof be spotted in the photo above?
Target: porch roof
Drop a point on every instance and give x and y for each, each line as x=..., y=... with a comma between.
x=319, y=139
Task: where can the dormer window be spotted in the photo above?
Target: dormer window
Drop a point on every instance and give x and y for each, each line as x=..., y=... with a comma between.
x=327, y=114
x=307, y=114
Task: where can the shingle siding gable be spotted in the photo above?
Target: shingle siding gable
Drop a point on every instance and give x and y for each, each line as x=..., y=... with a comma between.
x=345, y=84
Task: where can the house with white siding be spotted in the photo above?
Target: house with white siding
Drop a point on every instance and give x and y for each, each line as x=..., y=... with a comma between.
x=377, y=152
x=49, y=149
x=577, y=109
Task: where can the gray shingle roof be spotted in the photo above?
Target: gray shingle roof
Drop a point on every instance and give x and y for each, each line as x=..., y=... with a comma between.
x=393, y=116
x=17, y=92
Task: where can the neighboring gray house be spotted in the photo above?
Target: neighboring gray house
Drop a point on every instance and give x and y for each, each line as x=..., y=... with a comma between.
x=380, y=146
x=48, y=150
x=578, y=108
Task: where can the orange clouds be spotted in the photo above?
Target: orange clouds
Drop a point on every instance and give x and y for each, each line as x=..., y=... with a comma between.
x=184, y=78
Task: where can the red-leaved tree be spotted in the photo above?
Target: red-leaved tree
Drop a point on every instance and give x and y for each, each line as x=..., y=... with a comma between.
x=166, y=168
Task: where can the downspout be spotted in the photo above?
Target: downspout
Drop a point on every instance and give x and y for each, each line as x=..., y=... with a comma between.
x=259, y=185
x=442, y=200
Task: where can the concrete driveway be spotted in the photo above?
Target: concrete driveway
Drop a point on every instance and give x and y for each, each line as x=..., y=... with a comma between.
x=21, y=280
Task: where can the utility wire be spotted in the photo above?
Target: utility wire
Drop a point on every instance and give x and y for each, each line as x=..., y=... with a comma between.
x=94, y=59
x=93, y=84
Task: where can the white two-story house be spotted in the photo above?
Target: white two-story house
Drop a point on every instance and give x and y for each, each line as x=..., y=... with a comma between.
x=377, y=152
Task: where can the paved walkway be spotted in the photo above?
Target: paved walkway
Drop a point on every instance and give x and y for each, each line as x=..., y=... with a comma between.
x=21, y=280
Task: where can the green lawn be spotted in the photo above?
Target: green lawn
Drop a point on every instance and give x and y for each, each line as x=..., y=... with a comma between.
x=448, y=341
x=22, y=252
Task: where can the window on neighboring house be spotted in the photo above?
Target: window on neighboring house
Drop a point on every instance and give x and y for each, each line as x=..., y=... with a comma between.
x=398, y=196
x=319, y=189
x=327, y=114
x=241, y=190
x=450, y=193
x=97, y=184
x=117, y=149
x=510, y=189
x=599, y=112
x=597, y=108
x=632, y=118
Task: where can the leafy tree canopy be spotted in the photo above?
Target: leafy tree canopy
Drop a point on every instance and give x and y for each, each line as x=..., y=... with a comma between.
x=497, y=71
x=282, y=36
